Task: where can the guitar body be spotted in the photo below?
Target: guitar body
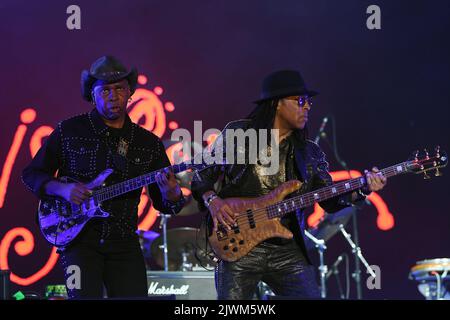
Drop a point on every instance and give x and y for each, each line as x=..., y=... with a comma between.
x=254, y=224
x=61, y=221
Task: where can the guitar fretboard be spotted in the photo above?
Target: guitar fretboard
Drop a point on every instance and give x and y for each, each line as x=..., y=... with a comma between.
x=138, y=182
x=308, y=199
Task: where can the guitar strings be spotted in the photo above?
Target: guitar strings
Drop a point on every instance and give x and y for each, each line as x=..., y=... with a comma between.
x=148, y=178
x=262, y=214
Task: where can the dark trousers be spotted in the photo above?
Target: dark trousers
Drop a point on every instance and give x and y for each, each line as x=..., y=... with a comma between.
x=281, y=266
x=116, y=265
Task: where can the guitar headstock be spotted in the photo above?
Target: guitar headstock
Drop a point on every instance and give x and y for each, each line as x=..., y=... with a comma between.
x=423, y=162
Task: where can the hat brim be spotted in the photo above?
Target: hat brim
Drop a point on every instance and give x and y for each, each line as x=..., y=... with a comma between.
x=310, y=93
x=87, y=80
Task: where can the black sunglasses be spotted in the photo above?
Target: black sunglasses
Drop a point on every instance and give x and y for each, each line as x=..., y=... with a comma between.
x=302, y=100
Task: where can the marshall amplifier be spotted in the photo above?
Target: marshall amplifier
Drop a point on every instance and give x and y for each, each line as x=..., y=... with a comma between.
x=187, y=285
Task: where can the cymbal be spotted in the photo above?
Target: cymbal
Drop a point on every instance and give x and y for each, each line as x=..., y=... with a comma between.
x=329, y=226
x=180, y=241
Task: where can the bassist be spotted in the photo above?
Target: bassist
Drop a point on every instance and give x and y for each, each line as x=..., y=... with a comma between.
x=107, y=251
x=281, y=263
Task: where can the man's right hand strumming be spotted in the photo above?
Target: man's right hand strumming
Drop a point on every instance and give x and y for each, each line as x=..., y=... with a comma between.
x=219, y=210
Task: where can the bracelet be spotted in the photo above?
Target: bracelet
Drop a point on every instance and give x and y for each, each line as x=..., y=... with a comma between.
x=210, y=198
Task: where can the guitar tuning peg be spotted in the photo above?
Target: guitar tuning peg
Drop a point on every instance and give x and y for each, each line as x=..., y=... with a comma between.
x=437, y=150
x=416, y=155
x=438, y=173
x=426, y=154
x=426, y=176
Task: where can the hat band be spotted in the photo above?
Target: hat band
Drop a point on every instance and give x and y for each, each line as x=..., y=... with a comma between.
x=283, y=91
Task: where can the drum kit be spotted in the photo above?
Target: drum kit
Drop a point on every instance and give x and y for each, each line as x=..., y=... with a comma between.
x=433, y=278
x=177, y=249
x=432, y=275
x=184, y=252
x=330, y=225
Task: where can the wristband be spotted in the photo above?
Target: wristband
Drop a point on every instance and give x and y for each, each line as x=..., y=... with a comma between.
x=209, y=199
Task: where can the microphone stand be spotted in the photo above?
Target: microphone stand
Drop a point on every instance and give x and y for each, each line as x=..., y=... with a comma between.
x=356, y=250
x=323, y=269
x=163, y=225
x=335, y=271
x=357, y=273
x=338, y=281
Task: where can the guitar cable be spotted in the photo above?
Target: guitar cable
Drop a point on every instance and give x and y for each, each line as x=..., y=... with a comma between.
x=207, y=253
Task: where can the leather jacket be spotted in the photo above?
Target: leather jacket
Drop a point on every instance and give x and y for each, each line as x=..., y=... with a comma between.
x=311, y=168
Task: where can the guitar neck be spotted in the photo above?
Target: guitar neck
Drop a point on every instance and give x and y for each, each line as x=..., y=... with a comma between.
x=308, y=199
x=137, y=182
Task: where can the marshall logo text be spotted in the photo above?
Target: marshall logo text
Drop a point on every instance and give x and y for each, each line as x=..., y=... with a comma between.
x=163, y=290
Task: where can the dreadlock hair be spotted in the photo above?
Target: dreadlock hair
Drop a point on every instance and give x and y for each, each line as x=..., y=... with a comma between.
x=263, y=117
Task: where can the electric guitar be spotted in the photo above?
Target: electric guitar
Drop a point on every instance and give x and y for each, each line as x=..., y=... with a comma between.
x=258, y=219
x=61, y=221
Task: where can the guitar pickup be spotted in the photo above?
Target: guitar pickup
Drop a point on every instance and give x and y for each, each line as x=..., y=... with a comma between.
x=222, y=233
x=251, y=219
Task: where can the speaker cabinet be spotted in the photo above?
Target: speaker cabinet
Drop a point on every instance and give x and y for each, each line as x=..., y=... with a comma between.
x=188, y=285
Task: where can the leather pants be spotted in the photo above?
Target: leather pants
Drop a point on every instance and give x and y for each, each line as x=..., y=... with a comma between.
x=281, y=266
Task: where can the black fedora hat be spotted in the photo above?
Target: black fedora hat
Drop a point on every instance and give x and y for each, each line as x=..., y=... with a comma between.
x=283, y=83
x=109, y=69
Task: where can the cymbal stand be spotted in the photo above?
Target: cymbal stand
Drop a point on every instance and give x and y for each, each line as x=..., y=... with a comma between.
x=323, y=269
x=335, y=271
x=163, y=225
x=357, y=251
x=185, y=265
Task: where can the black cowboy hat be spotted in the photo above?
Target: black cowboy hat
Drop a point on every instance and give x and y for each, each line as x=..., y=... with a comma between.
x=283, y=83
x=109, y=69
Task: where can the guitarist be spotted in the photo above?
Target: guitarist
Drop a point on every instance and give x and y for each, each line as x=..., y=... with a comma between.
x=107, y=251
x=281, y=263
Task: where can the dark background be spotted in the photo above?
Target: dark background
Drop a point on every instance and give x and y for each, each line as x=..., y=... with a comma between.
x=387, y=89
